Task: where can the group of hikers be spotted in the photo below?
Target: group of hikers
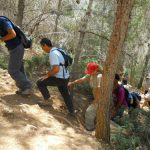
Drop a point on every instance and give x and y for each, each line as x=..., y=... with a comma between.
x=59, y=76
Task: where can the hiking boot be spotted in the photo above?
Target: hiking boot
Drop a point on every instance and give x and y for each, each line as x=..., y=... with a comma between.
x=18, y=92
x=72, y=114
x=26, y=92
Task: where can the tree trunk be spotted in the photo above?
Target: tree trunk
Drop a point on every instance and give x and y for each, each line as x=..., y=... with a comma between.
x=102, y=40
x=58, y=15
x=147, y=58
x=21, y=6
x=56, y=21
x=81, y=38
x=124, y=8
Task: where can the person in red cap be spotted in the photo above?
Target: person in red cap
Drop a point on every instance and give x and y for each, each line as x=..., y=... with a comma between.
x=93, y=76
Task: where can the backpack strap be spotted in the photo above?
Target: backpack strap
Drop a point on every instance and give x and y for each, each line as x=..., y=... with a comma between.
x=60, y=64
x=62, y=53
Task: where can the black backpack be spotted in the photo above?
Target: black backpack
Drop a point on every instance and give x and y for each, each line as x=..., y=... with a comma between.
x=25, y=40
x=68, y=59
x=135, y=97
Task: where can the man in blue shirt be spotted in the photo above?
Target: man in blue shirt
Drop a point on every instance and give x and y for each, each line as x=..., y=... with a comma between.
x=16, y=51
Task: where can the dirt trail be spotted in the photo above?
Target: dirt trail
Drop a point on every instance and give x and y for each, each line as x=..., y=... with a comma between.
x=26, y=126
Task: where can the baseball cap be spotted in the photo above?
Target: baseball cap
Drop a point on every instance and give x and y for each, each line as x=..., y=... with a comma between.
x=91, y=67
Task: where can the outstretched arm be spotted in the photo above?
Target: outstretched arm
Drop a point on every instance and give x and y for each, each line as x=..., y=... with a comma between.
x=78, y=81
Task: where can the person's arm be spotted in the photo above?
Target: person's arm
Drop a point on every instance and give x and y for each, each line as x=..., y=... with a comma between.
x=55, y=69
x=54, y=62
x=7, y=26
x=78, y=81
x=81, y=80
x=137, y=103
x=10, y=35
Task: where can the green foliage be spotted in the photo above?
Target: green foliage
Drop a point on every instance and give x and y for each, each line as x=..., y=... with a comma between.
x=123, y=143
x=137, y=124
x=3, y=62
x=37, y=63
x=135, y=72
x=83, y=62
x=68, y=10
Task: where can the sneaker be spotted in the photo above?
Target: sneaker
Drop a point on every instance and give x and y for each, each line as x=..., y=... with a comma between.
x=26, y=92
x=71, y=115
x=76, y=111
x=18, y=92
x=90, y=129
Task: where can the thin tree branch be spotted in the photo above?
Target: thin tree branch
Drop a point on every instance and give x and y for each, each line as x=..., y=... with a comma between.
x=101, y=36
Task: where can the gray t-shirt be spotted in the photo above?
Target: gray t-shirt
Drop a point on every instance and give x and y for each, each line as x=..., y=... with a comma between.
x=55, y=58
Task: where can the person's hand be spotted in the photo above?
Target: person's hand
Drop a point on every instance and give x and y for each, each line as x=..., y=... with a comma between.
x=44, y=77
x=1, y=41
x=70, y=86
x=113, y=113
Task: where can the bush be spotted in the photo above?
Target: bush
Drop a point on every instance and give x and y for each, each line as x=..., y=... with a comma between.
x=137, y=124
x=3, y=62
x=37, y=64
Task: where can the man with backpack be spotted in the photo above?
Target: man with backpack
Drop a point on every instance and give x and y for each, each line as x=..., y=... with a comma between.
x=57, y=76
x=119, y=99
x=16, y=51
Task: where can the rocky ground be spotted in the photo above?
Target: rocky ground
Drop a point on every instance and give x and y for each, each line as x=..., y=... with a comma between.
x=27, y=126
x=24, y=125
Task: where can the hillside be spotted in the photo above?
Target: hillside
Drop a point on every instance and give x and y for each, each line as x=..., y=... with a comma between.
x=26, y=126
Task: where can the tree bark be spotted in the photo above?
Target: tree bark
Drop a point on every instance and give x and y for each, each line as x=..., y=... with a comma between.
x=147, y=58
x=123, y=12
x=81, y=38
x=21, y=6
x=56, y=21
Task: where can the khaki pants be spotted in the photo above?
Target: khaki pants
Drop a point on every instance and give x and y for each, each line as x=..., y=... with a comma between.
x=90, y=117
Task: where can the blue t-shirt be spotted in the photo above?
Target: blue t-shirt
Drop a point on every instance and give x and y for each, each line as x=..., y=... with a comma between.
x=4, y=26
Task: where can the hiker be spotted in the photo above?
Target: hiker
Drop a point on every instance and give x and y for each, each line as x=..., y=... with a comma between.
x=58, y=75
x=135, y=100
x=146, y=85
x=119, y=99
x=146, y=98
x=16, y=52
x=93, y=76
x=125, y=79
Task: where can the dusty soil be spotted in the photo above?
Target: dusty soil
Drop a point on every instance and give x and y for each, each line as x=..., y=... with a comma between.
x=27, y=126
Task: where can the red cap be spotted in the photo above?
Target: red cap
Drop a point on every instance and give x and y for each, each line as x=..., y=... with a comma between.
x=91, y=67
